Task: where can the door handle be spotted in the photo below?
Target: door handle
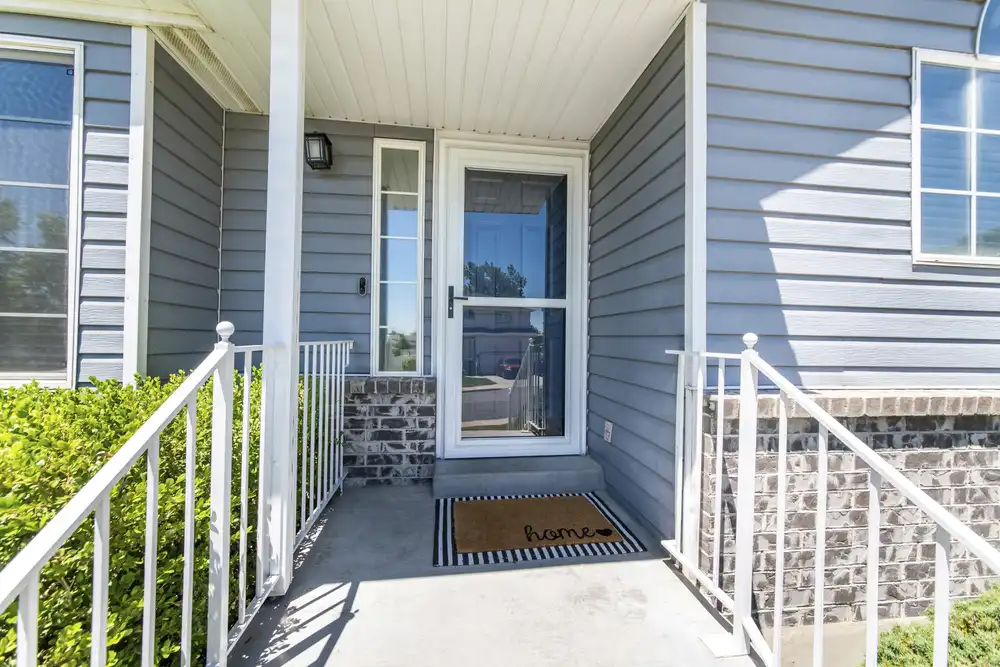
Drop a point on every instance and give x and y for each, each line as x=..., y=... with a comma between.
x=452, y=299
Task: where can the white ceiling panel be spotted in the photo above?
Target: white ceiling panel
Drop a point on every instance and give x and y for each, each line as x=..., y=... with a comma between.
x=535, y=68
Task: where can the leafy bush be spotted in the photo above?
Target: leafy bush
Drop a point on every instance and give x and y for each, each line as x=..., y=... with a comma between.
x=51, y=444
x=974, y=638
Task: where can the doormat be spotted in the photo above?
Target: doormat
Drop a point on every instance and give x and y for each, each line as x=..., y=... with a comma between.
x=482, y=530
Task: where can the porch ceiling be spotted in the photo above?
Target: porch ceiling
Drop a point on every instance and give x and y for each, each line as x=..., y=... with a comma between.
x=538, y=68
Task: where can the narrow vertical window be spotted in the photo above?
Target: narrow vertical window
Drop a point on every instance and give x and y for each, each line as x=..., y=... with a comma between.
x=397, y=258
x=37, y=131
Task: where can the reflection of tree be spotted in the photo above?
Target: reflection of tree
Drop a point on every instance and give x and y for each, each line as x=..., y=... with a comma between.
x=32, y=282
x=988, y=240
x=490, y=280
x=10, y=221
x=401, y=343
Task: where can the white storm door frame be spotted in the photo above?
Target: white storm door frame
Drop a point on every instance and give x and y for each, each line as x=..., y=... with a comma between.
x=455, y=156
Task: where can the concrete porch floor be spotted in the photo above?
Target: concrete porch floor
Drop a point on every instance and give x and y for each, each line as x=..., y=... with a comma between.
x=366, y=595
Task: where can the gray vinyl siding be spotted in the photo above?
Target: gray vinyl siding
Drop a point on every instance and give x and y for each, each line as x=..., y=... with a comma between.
x=185, y=220
x=106, y=82
x=336, y=234
x=809, y=241
x=637, y=287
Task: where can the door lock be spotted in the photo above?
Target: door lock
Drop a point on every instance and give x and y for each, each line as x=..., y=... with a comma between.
x=452, y=299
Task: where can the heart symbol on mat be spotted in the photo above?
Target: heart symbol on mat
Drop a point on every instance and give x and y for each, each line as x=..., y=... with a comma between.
x=604, y=532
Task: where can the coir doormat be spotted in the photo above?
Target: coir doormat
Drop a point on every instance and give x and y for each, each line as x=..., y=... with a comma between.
x=510, y=529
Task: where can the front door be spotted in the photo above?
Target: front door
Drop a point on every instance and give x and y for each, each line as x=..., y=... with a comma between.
x=513, y=285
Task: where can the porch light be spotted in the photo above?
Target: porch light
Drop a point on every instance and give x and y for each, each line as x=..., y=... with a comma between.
x=319, y=151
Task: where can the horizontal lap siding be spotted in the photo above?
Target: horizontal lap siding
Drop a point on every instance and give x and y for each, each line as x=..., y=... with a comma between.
x=185, y=220
x=809, y=240
x=637, y=286
x=107, y=66
x=336, y=234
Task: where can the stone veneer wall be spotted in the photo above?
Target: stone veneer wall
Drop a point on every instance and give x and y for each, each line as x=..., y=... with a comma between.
x=948, y=445
x=389, y=435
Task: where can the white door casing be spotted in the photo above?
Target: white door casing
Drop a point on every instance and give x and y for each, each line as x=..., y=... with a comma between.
x=455, y=154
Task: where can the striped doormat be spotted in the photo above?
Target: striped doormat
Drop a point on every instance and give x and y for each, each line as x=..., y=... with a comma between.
x=481, y=530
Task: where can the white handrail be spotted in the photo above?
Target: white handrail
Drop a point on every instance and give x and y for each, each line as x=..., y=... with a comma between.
x=19, y=579
x=890, y=475
x=745, y=632
x=52, y=536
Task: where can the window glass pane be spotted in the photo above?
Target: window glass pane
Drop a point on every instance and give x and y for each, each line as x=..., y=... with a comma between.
x=33, y=217
x=400, y=170
x=945, y=224
x=398, y=307
x=988, y=179
x=36, y=90
x=945, y=160
x=399, y=313
x=942, y=95
x=515, y=235
x=34, y=152
x=987, y=227
x=990, y=40
x=988, y=85
x=33, y=282
x=399, y=260
x=399, y=215
x=513, y=372
x=32, y=344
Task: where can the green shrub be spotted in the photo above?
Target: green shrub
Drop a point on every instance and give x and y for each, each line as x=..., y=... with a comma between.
x=51, y=444
x=974, y=638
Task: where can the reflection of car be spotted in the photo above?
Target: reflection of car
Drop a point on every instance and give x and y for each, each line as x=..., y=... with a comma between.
x=508, y=367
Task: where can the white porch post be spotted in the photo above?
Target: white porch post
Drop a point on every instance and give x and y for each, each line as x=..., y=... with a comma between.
x=282, y=260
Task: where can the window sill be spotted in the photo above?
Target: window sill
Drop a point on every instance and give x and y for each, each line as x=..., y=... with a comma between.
x=48, y=381
x=957, y=262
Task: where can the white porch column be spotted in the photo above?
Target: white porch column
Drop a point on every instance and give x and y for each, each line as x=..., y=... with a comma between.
x=282, y=261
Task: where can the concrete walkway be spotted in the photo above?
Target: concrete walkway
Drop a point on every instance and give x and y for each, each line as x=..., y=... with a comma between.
x=367, y=595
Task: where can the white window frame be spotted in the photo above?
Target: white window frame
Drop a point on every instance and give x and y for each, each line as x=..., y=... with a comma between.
x=967, y=61
x=420, y=148
x=74, y=50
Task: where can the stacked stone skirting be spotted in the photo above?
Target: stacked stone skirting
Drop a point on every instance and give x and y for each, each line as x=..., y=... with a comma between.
x=389, y=435
x=949, y=445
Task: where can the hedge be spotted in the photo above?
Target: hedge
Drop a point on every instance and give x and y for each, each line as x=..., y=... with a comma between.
x=51, y=443
x=974, y=638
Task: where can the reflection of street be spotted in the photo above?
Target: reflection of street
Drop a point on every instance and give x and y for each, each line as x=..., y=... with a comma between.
x=485, y=408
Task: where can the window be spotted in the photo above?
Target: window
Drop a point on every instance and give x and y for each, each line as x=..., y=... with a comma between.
x=39, y=134
x=398, y=258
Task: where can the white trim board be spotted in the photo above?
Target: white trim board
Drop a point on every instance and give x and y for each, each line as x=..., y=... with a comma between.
x=695, y=261
x=455, y=152
x=139, y=205
x=106, y=12
x=74, y=224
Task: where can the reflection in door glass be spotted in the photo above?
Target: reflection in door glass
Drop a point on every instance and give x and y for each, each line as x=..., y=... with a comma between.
x=515, y=235
x=513, y=372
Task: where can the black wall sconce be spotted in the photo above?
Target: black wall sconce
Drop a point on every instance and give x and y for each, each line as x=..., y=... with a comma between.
x=319, y=151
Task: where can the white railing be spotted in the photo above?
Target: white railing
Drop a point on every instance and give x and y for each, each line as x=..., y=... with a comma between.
x=322, y=420
x=321, y=474
x=19, y=580
x=525, y=405
x=948, y=529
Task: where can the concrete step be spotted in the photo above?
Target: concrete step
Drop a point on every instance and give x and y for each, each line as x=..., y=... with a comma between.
x=517, y=476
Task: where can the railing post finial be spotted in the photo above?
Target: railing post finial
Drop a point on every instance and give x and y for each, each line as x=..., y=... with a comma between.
x=750, y=340
x=225, y=331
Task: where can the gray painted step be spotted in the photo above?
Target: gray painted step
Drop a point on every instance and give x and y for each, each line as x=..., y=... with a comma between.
x=517, y=476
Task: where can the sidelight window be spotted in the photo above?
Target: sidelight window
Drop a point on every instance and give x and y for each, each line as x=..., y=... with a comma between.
x=398, y=258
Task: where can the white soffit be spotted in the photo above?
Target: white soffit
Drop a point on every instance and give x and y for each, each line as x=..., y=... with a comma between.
x=537, y=68
x=129, y=12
